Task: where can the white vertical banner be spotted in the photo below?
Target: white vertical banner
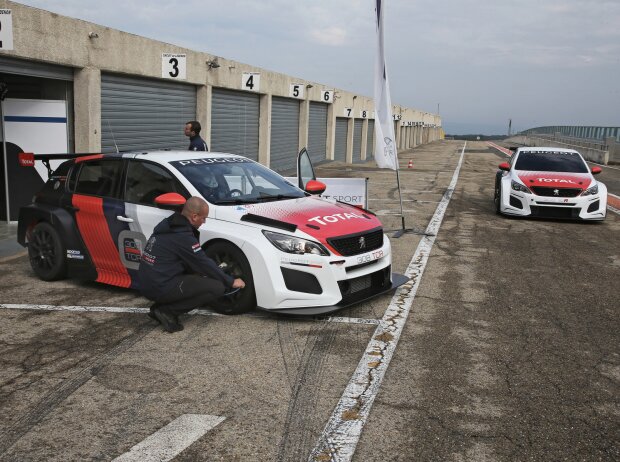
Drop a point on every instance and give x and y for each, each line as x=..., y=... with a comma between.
x=385, y=146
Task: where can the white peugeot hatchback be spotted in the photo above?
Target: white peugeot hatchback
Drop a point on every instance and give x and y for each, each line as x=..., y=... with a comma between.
x=549, y=182
x=297, y=252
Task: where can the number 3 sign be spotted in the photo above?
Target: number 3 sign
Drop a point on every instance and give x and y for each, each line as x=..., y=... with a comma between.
x=173, y=66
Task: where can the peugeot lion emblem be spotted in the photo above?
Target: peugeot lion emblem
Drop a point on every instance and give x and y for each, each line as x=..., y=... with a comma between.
x=362, y=242
x=556, y=192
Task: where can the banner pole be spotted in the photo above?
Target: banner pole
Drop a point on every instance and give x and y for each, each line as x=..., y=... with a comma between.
x=400, y=196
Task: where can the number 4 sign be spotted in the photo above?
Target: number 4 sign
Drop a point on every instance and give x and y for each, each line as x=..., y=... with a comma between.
x=250, y=81
x=173, y=66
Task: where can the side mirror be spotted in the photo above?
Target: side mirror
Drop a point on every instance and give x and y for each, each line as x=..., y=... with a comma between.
x=170, y=200
x=315, y=187
x=504, y=166
x=596, y=170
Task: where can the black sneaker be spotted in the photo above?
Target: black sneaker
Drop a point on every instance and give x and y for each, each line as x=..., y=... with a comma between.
x=167, y=321
x=151, y=313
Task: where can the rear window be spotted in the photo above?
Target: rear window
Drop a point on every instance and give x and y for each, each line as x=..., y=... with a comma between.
x=551, y=161
x=99, y=178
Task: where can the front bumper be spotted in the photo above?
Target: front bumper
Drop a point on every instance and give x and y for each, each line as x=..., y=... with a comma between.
x=522, y=204
x=397, y=281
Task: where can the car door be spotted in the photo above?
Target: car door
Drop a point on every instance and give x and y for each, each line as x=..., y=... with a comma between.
x=97, y=209
x=144, y=181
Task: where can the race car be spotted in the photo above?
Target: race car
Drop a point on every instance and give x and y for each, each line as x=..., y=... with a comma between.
x=297, y=252
x=549, y=182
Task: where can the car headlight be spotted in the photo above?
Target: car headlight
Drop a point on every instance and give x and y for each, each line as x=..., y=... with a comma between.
x=292, y=244
x=591, y=190
x=519, y=187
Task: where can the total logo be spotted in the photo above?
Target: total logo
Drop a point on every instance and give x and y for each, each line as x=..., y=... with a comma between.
x=334, y=218
x=554, y=180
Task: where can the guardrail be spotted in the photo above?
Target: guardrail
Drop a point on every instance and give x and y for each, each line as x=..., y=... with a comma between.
x=600, y=151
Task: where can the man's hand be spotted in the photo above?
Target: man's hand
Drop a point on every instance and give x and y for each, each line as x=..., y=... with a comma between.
x=238, y=284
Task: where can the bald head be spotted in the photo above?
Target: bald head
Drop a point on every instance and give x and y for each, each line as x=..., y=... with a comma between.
x=196, y=210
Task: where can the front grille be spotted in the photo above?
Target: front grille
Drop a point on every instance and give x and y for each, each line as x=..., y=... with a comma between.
x=551, y=192
x=354, y=244
x=362, y=287
x=554, y=212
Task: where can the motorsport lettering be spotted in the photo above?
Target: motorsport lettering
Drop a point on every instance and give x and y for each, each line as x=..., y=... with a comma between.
x=555, y=180
x=334, y=218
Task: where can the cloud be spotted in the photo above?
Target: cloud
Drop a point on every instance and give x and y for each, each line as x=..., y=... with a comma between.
x=329, y=36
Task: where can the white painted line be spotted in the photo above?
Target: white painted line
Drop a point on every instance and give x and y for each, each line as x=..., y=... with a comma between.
x=108, y=309
x=344, y=428
x=171, y=440
x=353, y=320
x=135, y=310
x=613, y=209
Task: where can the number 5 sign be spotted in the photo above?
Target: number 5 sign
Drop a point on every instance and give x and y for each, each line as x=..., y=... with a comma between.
x=173, y=66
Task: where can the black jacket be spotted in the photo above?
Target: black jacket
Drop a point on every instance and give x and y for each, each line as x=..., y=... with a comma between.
x=196, y=143
x=171, y=251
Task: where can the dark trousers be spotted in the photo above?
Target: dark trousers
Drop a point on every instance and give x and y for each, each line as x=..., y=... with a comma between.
x=190, y=291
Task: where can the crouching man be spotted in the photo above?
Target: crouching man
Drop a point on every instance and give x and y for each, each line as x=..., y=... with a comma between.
x=176, y=273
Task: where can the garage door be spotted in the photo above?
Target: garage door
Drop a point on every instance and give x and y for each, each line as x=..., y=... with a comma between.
x=284, y=144
x=234, y=122
x=357, y=140
x=139, y=113
x=342, y=131
x=370, y=144
x=35, y=69
x=317, y=132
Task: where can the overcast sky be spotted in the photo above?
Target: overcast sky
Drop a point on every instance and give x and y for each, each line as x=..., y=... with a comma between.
x=537, y=62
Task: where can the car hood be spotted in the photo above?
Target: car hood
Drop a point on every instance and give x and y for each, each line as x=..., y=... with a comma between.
x=320, y=218
x=555, y=179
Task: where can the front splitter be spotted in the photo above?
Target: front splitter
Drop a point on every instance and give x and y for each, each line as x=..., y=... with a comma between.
x=397, y=281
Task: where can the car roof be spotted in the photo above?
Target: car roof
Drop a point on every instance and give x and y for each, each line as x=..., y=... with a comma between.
x=168, y=156
x=544, y=149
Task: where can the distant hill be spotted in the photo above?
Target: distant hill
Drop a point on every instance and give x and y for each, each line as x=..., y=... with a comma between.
x=477, y=137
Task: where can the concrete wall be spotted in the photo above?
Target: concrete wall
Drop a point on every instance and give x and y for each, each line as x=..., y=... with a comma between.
x=91, y=49
x=601, y=153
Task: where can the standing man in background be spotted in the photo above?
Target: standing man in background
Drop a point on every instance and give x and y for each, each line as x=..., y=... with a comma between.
x=196, y=143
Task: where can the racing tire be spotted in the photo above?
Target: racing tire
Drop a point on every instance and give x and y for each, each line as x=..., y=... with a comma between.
x=46, y=252
x=498, y=197
x=232, y=260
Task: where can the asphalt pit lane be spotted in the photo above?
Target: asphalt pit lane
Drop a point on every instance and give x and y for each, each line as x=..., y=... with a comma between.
x=137, y=379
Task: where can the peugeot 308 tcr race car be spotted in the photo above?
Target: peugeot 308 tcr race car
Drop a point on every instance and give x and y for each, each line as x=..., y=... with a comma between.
x=549, y=182
x=297, y=252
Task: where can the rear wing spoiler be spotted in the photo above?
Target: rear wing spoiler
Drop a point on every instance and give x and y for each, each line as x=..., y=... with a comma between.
x=27, y=159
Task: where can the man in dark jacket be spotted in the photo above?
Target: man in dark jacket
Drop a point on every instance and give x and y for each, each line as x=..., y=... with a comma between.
x=196, y=143
x=175, y=272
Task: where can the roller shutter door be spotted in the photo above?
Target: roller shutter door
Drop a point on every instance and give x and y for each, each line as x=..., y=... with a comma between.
x=284, y=144
x=357, y=140
x=140, y=114
x=317, y=132
x=342, y=132
x=235, y=122
x=370, y=144
x=35, y=69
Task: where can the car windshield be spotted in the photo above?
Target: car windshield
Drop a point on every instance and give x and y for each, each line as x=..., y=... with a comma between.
x=551, y=161
x=236, y=180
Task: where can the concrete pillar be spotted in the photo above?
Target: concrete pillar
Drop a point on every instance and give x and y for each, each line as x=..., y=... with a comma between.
x=203, y=111
x=364, y=139
x=264, y=130
x=304, y=121
x=350, y=129
x=331, y=132
x=87, y=109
